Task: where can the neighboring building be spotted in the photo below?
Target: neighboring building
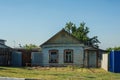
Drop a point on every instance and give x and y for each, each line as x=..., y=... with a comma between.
x=64, y=49
x=2, y=41
x=5, y=54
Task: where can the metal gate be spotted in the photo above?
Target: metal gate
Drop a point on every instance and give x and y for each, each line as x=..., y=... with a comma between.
x=114, y=61
x=16, y=59
x=36, y=59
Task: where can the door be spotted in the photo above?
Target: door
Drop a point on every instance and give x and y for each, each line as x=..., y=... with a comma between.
x=92, y=58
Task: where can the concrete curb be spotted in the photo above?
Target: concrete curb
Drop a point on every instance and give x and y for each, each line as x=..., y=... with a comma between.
x=7, y=78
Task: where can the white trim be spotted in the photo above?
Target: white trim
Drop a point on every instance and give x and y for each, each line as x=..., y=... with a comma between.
x=61, y=45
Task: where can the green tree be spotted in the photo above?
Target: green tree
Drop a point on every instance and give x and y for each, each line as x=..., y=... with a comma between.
x=69, y=27
x=30, y=46
x=113, y=48
x=109, y=49
x=81, y=33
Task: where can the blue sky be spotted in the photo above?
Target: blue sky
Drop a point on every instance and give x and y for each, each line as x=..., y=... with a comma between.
x=35, y=21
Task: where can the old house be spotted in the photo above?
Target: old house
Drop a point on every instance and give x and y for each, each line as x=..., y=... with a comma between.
x=5, y=54
x=64, y=49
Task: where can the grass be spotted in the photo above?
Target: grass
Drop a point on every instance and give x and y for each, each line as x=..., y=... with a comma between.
x=63, y=73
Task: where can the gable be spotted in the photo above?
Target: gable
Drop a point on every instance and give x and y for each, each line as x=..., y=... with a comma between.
x=62, y=37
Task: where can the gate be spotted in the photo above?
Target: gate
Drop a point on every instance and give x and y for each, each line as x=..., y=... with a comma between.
x=17, y=59
x=36, y=59
x=114, y=61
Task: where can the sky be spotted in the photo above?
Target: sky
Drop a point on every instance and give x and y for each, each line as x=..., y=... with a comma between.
x=35, y=21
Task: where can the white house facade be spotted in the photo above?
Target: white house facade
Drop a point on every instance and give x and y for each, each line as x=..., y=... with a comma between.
x=61, y=50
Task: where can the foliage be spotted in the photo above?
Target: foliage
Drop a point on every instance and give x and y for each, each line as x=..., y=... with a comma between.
x=81, y=33
x=30, y=46
x=113, y=48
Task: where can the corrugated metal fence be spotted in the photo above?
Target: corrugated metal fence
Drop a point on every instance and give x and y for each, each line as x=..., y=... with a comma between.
x=114, y=61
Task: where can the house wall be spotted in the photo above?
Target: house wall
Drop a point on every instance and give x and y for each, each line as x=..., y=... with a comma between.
x=104, y=62
x=77, y=54
x=100, y=58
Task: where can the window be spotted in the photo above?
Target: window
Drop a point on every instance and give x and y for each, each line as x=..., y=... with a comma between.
x=68, y=56
x=53, y=56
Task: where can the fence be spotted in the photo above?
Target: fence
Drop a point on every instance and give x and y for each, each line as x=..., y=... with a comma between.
x=104, y=62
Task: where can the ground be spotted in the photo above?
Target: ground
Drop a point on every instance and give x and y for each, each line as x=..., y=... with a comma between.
x=61, y=73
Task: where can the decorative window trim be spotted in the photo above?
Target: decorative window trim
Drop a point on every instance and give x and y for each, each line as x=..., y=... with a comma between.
x=67, y=61
x=50, y=51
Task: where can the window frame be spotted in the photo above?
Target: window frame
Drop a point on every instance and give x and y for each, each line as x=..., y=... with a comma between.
x=57, y=58
x=65, y=52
